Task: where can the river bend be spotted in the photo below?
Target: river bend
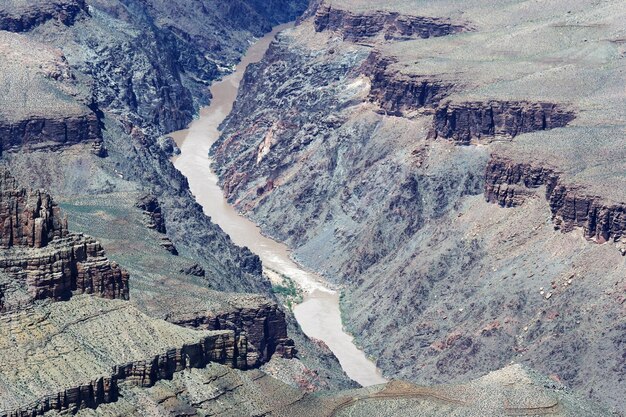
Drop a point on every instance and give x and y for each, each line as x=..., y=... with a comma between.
x=318, y=315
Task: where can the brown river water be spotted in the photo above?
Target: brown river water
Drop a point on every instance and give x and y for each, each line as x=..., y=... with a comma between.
x=318, y=314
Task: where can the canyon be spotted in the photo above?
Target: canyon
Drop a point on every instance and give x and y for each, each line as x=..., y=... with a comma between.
x=384, y=208
x=376, y=160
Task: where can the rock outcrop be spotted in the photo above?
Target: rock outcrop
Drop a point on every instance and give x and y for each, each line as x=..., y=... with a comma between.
x=75, y=264
x=27, y=218
x=468, y=121
x=196, y=270
x=44, y=259
x=396, y=93
x=263, y=327
x=152, y=212
x=508, y=183
x=20, y=16
x=137, y=349
x=49, y=132
x=356, y=27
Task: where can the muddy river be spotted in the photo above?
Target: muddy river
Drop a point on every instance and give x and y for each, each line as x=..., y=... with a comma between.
x=318, y=314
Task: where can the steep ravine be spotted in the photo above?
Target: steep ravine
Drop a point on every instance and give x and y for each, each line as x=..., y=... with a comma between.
x=318, y=315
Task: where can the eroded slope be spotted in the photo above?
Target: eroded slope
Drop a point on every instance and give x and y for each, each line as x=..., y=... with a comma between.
x=349, y=151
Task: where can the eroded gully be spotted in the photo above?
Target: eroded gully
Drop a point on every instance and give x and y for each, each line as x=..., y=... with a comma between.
x=318, y=315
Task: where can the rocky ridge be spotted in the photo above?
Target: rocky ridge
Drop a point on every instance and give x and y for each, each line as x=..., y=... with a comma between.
x=358, y=27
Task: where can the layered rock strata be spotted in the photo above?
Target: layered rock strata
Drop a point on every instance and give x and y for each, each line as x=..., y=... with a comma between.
x=464, y=122
x=76, y=379
x=357, y=27
x=43, y=259
x=74, y=264
x=35, y=132
x=15, y=16
x=396, y=93
x=263, y=327
x=508, y=182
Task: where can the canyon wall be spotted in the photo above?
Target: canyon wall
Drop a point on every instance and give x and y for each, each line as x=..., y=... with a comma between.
x=330, y=148
x=15, y=16
x=508, y=182
x=263, y=326
x=356, y=27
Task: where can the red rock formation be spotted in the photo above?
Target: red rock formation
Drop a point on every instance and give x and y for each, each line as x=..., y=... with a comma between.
x=43, y=257
x=507, y=182
x=49, y=132
x=476, y=120
x=29, y=219
x=396, y=93
x=360, y=26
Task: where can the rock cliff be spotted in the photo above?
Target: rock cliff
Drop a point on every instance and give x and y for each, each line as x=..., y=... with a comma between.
x=356, y=27
x=262, y=326
x=464, y=122
x=20, y=16
x=43, y=258
x=508, y=182
x=396, y=93
x=49, y=132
